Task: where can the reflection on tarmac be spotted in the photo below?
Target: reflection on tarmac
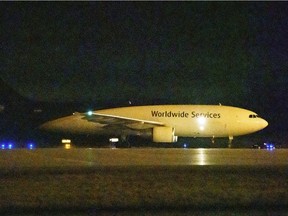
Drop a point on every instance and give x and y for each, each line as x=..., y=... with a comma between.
x=202, y=157
x=89, y=157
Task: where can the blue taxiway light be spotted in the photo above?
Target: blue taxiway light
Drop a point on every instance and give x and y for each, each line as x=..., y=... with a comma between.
x=269, y=146
x=7, y=146
x=12, y=145
x=30, y=146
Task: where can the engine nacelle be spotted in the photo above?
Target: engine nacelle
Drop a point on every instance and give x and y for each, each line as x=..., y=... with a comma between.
x=164, y=134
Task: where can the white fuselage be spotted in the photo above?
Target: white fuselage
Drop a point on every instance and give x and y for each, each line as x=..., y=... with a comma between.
x=187, y=120
x=196, y=120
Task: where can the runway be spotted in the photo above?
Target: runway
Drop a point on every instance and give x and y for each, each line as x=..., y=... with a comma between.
x=95, y=157
x=84, y=181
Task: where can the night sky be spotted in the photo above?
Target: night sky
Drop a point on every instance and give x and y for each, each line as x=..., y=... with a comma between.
x=233, y=53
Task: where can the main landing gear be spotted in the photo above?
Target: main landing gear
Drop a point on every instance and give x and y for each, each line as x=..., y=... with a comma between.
x=229, y=142
x=123, y=142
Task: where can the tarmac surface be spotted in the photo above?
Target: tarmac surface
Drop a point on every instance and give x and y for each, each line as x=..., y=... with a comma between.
x=146, y=181
x=97, y=157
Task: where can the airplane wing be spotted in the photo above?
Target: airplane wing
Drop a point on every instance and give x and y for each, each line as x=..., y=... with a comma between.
x=114, y=120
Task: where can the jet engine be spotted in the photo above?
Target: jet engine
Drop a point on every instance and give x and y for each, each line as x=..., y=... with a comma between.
x=164, y=134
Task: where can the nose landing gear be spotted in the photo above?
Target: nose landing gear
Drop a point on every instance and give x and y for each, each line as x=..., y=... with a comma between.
x=230, y=141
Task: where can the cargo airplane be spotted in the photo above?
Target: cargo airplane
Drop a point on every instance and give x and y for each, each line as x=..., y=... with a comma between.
x=162, y=123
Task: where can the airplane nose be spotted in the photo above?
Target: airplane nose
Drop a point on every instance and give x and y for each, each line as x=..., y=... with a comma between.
x=264, y=123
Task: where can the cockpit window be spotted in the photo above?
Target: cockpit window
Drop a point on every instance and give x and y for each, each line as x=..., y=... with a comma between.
x=253, y=116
